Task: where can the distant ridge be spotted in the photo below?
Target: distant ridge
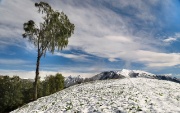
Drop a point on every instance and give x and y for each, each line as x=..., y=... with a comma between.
x=124, y=73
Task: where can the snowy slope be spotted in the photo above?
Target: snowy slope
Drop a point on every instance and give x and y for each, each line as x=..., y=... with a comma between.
x=111, y=96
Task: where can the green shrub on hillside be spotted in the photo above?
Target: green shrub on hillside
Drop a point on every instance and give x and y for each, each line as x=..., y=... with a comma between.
x=15, y=92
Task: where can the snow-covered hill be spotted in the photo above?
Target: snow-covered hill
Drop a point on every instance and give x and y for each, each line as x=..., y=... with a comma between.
x=111, y=96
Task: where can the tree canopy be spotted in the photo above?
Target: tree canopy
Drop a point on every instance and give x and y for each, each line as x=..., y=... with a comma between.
x=51, y=34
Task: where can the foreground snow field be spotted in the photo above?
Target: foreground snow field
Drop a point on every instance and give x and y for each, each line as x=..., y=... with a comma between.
x=111, y=96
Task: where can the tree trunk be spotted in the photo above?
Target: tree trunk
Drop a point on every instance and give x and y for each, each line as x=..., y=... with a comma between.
x=37, y=75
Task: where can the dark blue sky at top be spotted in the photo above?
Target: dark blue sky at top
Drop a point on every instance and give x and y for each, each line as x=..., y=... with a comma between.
x=167, y=24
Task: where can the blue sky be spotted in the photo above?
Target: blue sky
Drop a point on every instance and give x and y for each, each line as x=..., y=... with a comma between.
x=109, y=35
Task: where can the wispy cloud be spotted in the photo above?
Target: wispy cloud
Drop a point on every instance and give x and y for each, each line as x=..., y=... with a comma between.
x=119, y=37
x=115, y=30
x=77, y=57
x=13, y=15
x=172, y=39
x=157, y=59
x=12, y=61
x=31, y=74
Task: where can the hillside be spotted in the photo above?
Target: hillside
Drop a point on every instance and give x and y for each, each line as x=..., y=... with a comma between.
x=116, y=96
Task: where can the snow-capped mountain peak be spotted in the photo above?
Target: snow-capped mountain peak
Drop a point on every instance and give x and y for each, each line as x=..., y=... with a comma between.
x=125, y=72
x=134, y=73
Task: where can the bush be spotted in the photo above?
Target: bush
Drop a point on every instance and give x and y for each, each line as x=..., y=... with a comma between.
x=15, y=92
x=52, y=84
x=11, y=96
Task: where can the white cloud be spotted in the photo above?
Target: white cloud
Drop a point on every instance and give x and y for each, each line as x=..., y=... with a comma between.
x=120, y=39
x=154, y=59
x=76, y=57
x=12, y=61
x=13, y=15
x=16, y=12
x=173, y=38
x=42, y=74
x=112, y=59
x=170, y=39
x=114, y=38
x=99, y=30
x=177, y=35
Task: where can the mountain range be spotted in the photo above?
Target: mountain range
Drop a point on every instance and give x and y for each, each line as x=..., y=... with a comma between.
x=121, y=74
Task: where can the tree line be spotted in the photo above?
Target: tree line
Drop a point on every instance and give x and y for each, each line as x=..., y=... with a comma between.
x=15, y=92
